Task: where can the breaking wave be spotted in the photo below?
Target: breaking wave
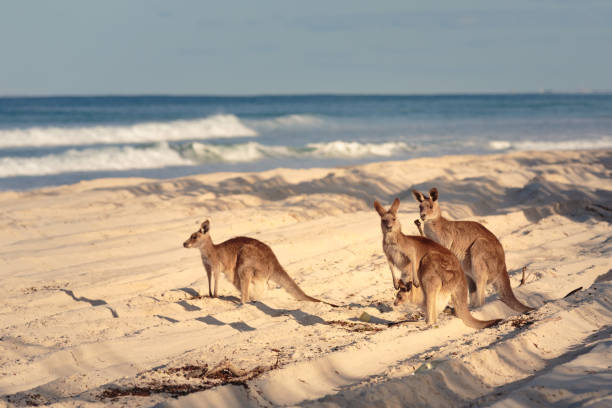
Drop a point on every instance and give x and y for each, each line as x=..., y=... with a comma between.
x=236, y=153
x=162, y=154
x=216, y=126
x=102, y=159
x=252, y=151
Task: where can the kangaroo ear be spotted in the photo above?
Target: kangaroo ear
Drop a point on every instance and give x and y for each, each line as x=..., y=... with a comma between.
x=205, y=227
x=401, y=285
x=433, y=193
x=418, y=196
x=379, y=208
x=394, y=206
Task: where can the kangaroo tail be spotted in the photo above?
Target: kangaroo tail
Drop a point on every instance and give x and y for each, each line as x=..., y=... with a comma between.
x=506, y=294
x=459, y=298
x=283, y=279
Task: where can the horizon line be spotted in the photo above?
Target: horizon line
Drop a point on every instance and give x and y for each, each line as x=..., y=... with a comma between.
x=304, y=94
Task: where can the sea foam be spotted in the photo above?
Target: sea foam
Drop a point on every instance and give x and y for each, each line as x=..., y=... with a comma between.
x=584, y=144
x=286, y=122
x=253, y=151
x=341, y=149
x=216, y=126
x=96, y=159
x=234, y=153
x=163, y=154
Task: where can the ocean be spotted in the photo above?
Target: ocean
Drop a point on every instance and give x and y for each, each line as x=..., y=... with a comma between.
x=48, y=141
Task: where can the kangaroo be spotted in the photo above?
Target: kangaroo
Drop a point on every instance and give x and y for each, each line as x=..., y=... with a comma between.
x=433, y=273
x=248, y=263
x=479, y=251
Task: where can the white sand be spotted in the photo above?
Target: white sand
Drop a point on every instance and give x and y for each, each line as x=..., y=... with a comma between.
x=97, y=290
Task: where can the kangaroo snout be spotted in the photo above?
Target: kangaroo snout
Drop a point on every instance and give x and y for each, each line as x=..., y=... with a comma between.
x=194, y=239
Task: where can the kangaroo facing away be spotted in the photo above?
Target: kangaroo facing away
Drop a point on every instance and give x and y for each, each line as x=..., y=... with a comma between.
x=248, y=263
x=433, y=274
x=479, y=251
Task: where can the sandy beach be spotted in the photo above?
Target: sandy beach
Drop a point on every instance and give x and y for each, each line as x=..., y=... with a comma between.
x=100, y=305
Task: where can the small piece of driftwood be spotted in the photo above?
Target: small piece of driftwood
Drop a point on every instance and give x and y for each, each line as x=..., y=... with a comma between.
x=572, y=292
x=523, y=278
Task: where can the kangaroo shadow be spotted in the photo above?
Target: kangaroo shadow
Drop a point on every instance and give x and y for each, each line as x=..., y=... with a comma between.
x=240, y=326
x=93, y=302
x=191, y=292
x=302, y=318
x=233, y=299
x=169, y=319
x=188, y=306
x=381, y=306
x=195, y=295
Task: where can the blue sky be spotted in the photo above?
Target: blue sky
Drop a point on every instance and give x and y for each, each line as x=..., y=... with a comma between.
x=279, y=47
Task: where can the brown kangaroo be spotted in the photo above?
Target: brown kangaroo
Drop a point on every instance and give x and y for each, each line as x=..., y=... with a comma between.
x=480, y=252
x=433, y=274
x=248, y=263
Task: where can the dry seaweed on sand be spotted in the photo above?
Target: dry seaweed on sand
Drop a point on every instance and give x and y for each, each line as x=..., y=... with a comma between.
x=355, y=327
x=223, y=373
x=522, y=321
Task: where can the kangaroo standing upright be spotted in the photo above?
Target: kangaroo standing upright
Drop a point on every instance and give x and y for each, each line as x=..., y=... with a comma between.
x=433, y=273
x=480, y=252
x=248, y=263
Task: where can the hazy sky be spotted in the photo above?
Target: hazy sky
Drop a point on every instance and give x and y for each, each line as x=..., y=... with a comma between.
x=270, y=47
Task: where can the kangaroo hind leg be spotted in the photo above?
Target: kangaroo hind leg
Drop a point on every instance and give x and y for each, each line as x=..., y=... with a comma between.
x=246, y=274
x=257, y=289
x=480, y=271
x=432, y=285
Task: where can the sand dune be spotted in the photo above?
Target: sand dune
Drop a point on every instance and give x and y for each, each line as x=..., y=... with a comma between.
x=98, y=293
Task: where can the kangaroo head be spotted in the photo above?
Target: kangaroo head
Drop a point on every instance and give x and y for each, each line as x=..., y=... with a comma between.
x=402, y=293
x=197, y=238
x=428, y=206
x=388, y=219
